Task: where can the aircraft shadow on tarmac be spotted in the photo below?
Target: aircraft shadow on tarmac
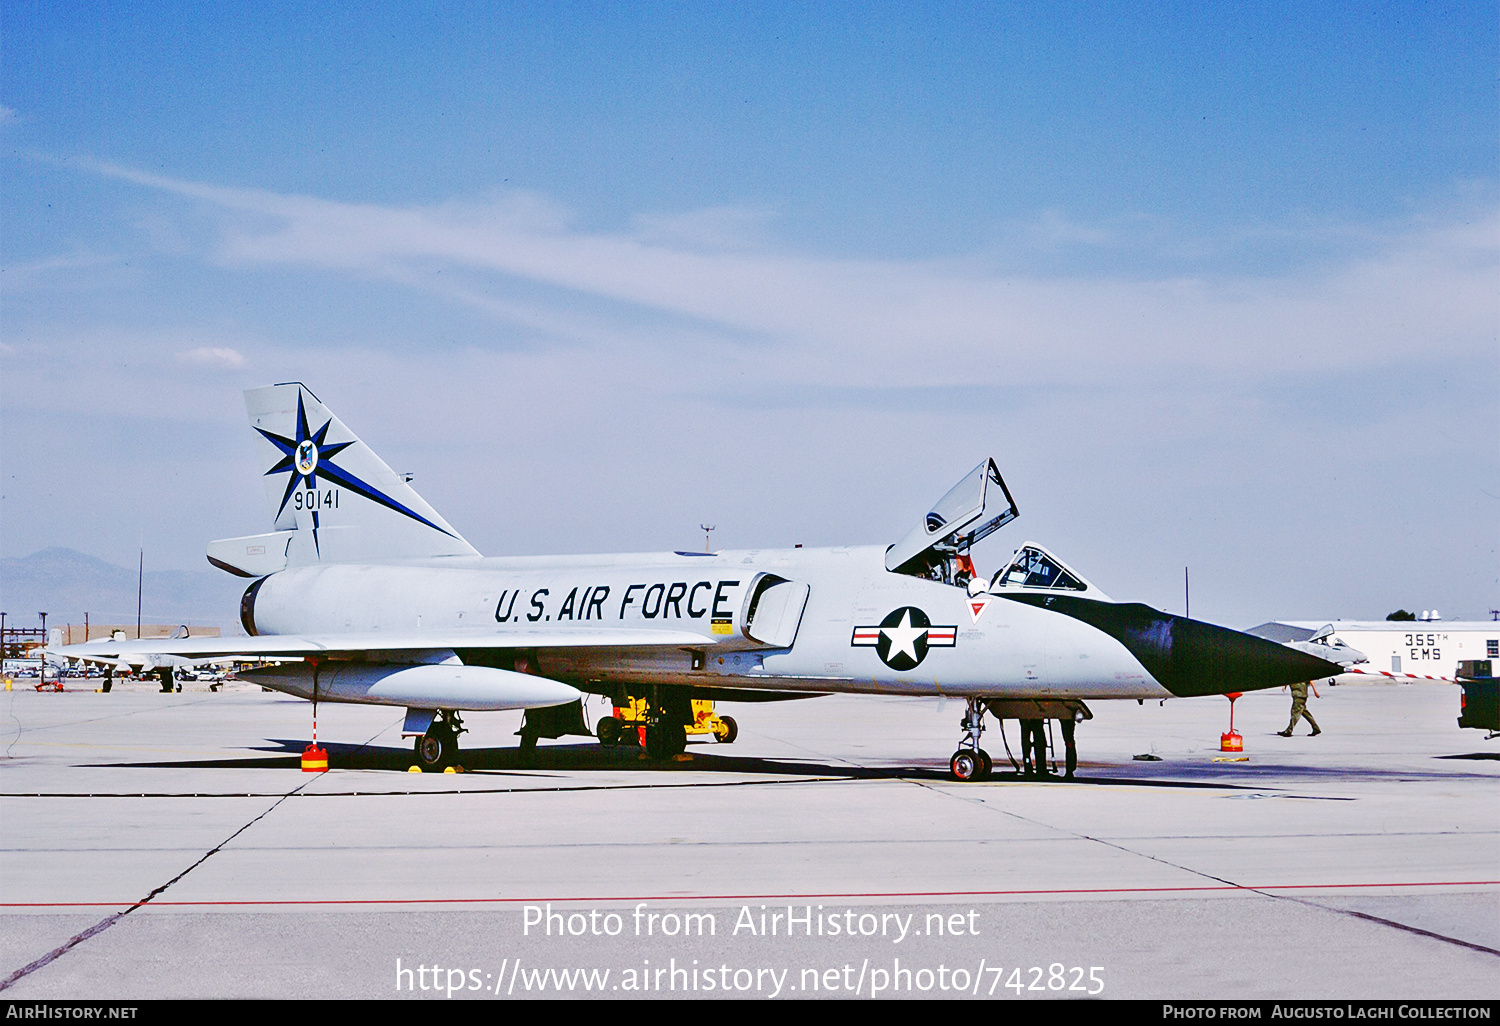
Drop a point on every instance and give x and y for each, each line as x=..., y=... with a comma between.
x=567, y=758
x=587, y=757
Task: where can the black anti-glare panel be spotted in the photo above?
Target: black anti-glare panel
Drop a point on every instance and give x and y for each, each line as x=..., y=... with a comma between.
x=1189, y=657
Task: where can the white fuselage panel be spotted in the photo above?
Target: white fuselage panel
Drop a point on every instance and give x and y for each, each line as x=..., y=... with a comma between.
x=863, y=628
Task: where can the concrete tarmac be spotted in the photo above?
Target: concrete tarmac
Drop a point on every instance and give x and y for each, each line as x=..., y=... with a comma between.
x=156, y=846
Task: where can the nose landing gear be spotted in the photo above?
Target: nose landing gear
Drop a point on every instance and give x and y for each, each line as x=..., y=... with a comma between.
x=971, y=762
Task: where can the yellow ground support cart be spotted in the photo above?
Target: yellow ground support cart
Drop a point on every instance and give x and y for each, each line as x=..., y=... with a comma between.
x=629, y=722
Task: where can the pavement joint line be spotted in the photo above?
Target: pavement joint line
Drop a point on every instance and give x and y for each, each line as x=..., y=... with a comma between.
x=1389, y=922
x=10, y=707
x=853, y=777
x=517, y=847
x=446, y=791
x=1257, y=889
x=1267, y=892
x=1393, y=924
x=108, y=921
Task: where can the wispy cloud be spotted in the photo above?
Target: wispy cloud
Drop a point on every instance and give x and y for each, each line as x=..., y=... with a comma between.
x=215, y=356
x=79, y=270
x=862, y=322
x=710, y=229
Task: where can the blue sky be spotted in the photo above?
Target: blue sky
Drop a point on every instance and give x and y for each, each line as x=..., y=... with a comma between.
x=1216, y=284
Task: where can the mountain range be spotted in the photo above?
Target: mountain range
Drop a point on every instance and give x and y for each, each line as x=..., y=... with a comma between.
x=66, y=584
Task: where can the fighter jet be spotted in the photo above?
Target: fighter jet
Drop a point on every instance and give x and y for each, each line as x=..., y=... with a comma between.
x=144, y=658
x=362, y=592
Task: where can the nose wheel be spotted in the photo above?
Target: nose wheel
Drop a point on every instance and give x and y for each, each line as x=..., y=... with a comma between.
x=971, y=762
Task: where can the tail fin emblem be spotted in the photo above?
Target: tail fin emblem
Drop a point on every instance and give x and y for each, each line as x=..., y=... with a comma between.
x=307, y=457
x=310, y=455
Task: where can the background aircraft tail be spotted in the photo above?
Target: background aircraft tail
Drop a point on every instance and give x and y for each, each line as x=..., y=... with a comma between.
x=332, y=498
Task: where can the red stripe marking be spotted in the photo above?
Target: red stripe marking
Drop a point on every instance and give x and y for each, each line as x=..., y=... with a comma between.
x=754, y=897
x=1401, y=676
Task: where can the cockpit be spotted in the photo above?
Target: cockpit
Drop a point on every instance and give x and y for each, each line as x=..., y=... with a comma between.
x=938, y=548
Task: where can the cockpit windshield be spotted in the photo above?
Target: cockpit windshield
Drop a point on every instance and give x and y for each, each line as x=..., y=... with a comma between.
x=1033, y=567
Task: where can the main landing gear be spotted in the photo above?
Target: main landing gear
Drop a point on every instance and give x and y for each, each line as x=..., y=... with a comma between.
x=664, y=738
x=670, y=720
x=971, y=762
x=438, y=748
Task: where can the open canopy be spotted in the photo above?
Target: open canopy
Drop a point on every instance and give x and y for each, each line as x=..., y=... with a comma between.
x=974, y=508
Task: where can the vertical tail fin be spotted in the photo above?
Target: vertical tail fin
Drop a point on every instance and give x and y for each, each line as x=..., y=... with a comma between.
x=331, y=496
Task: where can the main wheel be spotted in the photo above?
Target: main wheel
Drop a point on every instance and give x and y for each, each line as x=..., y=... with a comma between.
x=608, y=730
x=664, y=740
x=989, y=764
x=728, y=732
x=965, y=765
x=435, y=749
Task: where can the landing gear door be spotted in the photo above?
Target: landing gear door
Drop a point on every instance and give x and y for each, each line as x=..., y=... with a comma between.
x=975, y=508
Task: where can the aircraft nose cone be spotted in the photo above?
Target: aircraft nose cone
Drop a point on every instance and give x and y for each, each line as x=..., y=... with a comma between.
x=1190, y=657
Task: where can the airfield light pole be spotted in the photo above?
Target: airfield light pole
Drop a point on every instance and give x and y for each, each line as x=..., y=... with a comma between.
x=140, y=586
x=707, y=528
x=41, y=670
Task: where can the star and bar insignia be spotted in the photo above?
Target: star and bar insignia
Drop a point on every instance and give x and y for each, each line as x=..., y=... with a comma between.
x=903, y=638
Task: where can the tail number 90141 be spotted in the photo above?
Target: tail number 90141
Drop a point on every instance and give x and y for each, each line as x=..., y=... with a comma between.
x=328, y=498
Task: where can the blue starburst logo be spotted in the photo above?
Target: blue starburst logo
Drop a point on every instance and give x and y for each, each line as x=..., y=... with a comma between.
x=310, y=457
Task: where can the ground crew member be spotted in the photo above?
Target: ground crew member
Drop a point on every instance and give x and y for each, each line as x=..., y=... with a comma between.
x=1033, y=748
x=1068, y=723
x=1299, y=708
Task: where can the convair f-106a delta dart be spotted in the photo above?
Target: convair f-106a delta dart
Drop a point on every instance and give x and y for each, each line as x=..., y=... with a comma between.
x=364, y=593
